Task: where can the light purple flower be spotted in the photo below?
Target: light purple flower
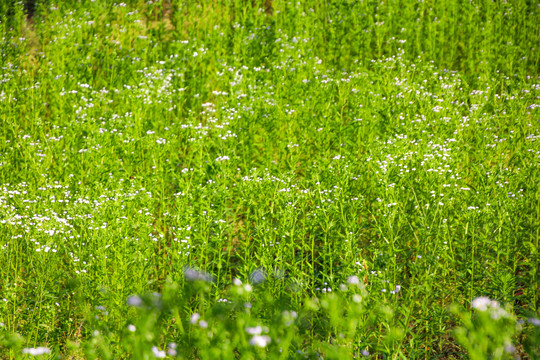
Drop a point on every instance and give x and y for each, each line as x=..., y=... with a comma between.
x=134, y=300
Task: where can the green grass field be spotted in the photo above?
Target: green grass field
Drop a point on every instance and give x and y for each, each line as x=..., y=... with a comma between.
x=268, y=179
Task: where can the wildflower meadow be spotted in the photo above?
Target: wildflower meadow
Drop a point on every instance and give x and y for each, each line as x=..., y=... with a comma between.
x=269, y=179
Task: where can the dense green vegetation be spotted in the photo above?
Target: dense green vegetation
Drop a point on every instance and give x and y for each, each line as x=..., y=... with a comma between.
x=269, y=179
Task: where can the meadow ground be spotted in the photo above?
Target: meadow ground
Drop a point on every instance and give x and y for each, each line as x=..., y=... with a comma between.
x=269, y=179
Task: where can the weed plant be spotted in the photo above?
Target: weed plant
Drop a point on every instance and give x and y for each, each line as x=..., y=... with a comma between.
x=269, y=179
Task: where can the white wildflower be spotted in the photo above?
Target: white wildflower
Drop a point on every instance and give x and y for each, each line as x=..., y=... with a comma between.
x=36, y=351
x=260, y=340
x=481, y=303
x=256, y=330
x=194, y=318
x=158, y=353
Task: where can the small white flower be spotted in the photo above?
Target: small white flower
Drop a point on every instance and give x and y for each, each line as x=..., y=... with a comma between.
x=353, y=280
x=172, y=352
x=203, y=324
x=158, y=353
x=194, y=318
x=481, y=303
x=222, y=158
x=36, y=351
x=260, y=340
x=257, y=330
x=132, y=328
